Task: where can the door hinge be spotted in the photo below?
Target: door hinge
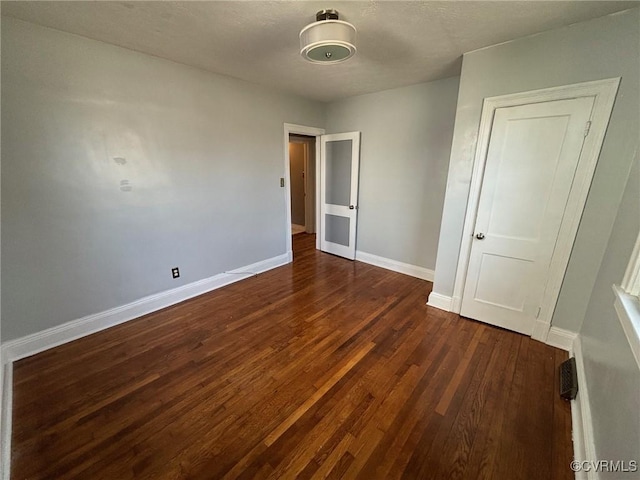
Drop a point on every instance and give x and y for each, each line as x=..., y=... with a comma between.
x=538, y=314
x=587, y=128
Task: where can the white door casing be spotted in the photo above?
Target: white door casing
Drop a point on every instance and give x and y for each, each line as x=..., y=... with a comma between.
x=298, y=159
x=604, y=94
x=308, y=142
x=531, y=162
x=310, y=187
x=339, y=170
x=290, y=128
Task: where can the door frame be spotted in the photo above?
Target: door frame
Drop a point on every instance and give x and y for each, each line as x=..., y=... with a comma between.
x=309, y=205
x=604, y=93
x=290, y=128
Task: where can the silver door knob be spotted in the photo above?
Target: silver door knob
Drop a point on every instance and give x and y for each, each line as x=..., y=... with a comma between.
x=480, y=236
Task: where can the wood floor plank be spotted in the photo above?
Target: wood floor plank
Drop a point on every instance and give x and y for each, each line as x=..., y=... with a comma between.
x=323, y=368
x=445, y=401
x=324, y=388
x=561, y=424
x=440, y=428
x=483, y=450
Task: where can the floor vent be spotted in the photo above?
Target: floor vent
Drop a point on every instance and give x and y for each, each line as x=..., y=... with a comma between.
x=568, y=379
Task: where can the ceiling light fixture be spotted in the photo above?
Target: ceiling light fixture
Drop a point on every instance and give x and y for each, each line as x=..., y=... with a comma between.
x=328, y=39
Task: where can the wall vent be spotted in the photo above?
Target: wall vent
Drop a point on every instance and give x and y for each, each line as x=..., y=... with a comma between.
x=568, y=379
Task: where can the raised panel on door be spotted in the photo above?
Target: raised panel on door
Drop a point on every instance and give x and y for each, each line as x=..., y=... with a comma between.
x=339, y=167
x=531, y=162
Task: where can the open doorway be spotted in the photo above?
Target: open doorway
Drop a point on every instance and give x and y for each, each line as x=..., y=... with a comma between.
x=302, y=167
x=309, y=138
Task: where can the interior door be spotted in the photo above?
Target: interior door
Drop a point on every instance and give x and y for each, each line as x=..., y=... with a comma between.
x=339, y=167
x=531, y=162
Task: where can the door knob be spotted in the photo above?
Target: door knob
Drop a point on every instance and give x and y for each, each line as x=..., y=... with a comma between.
x=351, y=207
x=480, y=236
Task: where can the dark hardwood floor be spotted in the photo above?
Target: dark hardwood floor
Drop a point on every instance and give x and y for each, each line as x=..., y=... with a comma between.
x=324, y=368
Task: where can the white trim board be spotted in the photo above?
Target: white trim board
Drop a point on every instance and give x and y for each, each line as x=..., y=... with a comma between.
x=631, y=280
x=584, y=449
x=604, y=93
x=628, y=310
x=394, y=265
x=440, y=301
x=6, y=421
x=561, y=338
x=58, y=335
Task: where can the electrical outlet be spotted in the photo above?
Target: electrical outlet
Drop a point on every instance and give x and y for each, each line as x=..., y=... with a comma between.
x=175, y=272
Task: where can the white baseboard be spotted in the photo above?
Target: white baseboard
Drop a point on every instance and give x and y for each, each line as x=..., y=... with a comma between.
x=456, y=304
x=407, y=269
x=6, y=421
x=582, y=427
x=540, y=330
x=560, y=338
x=440, y=301
x=52, y=337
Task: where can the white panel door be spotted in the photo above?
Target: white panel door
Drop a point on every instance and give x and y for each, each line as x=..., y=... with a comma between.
x=339, y=166
x=531, y=162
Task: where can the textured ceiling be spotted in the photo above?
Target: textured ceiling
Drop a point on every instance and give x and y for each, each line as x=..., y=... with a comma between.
x=399, y=43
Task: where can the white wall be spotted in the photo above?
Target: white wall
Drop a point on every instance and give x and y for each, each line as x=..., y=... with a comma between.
x=405, y=147
x=602, y=48
x=613, y=377
x=202, y=197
